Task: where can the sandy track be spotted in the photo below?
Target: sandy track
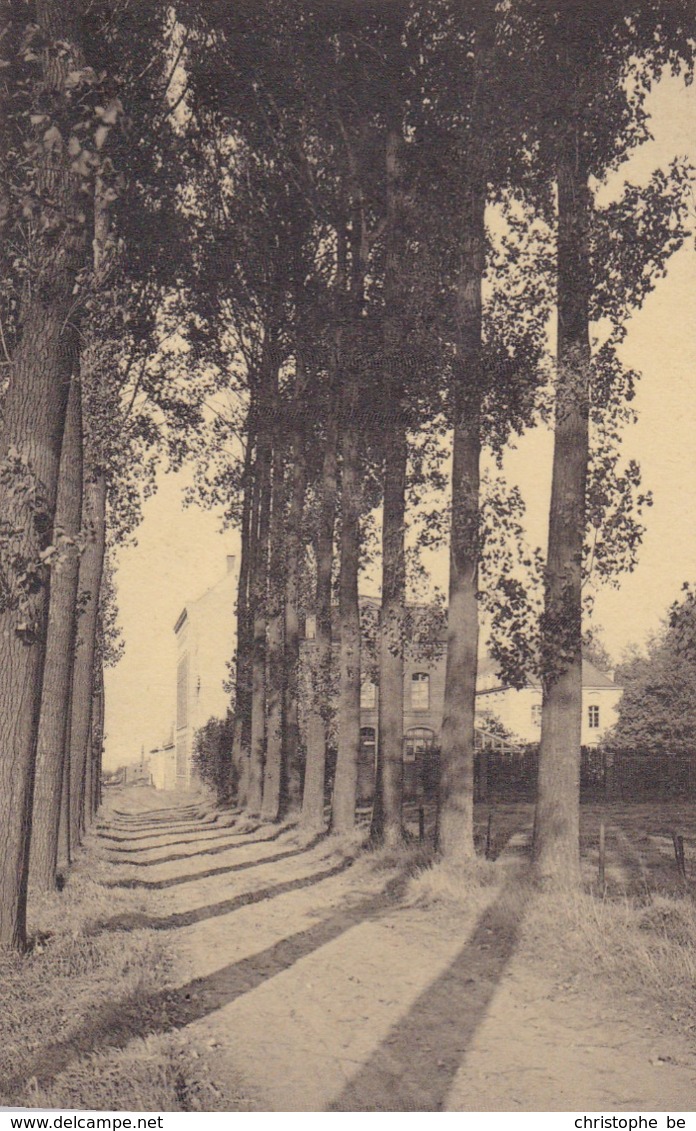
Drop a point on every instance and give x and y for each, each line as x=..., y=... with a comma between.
x=312, y=979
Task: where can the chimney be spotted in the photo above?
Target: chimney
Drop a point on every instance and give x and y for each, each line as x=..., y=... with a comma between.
x=231, y=559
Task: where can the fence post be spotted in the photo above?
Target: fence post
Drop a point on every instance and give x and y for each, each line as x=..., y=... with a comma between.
x=609, y=775
x=678, y=842
x=602, y=857
x=483, y=773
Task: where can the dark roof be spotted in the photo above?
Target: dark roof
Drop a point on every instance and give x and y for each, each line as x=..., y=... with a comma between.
x=592, y=677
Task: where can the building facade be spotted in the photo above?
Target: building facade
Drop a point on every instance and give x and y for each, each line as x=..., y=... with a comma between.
x=206, y=633
x=163, y=765
x=519, y=710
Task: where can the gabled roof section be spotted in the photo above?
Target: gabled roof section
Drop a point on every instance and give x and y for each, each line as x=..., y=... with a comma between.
x=593, y=677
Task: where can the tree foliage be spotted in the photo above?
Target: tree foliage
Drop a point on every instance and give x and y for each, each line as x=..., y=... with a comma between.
x=211, y=761
x=658, y=709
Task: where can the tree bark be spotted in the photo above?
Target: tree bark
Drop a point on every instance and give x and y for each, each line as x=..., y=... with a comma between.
x=242, y=704
x=557, y=824
x=291, y=793
x=455, y=826
x=275, y=660
x=344, y=796
x=33, y=412
x=86, y=811
x=97, y=737
x=387, y=809
x=318, y=720
x=259, y=584
x=345, y=783
x=91, y=568
x=64, y=845
x=60, y=653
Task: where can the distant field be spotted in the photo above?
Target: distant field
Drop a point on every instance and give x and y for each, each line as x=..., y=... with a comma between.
x=639, y=849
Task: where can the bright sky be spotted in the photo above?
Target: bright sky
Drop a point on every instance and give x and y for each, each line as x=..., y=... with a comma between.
x=181, y=552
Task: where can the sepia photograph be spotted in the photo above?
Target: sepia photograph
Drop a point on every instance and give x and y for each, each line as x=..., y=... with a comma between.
x=348, y=560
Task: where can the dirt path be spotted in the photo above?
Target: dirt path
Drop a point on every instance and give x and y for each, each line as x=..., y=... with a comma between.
x=314, y=980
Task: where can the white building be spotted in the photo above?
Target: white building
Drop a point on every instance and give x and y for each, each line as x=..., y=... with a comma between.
x=520, y=710
x=206, y=635
x=163, y=765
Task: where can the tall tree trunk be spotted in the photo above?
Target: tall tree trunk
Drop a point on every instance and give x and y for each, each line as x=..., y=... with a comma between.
x=387, y=809
x=344, y=796
x=91, y=568
x=64, y=841
x=318, y=720
x=33, y=412
x=321, y=663
x=60, y=651
x=242, y=709
x=346, y=780
x=275, y=660
x=33, y=422
x=557, y=824
x=259, y=595
x=86, y=814
x=292, y=769
x=98, y=736
x=455, y=830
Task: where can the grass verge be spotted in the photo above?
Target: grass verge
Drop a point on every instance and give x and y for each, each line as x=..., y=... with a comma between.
x=72, y=972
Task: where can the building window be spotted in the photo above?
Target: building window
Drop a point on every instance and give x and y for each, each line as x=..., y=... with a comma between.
x=536, y=714
x=417, y=742
x=593, y=716
x=368, y=744
x=368, y=696
x=310, y=627
x=420, y=691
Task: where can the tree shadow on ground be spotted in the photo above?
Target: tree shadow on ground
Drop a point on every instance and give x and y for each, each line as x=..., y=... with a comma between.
x=631, y=861
x=215, y=851
x=189, y=877
x=177, y=828
x=415, y=1066
x=131, y=820
x=171, y=819
x=181, y=838
x=137, y=921
x=118, y=1023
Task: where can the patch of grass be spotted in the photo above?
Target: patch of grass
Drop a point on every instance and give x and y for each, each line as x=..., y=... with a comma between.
x=646, y=946
x=407, y=857
x=74, y=972
x=156, y=1074
x=466, y=887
